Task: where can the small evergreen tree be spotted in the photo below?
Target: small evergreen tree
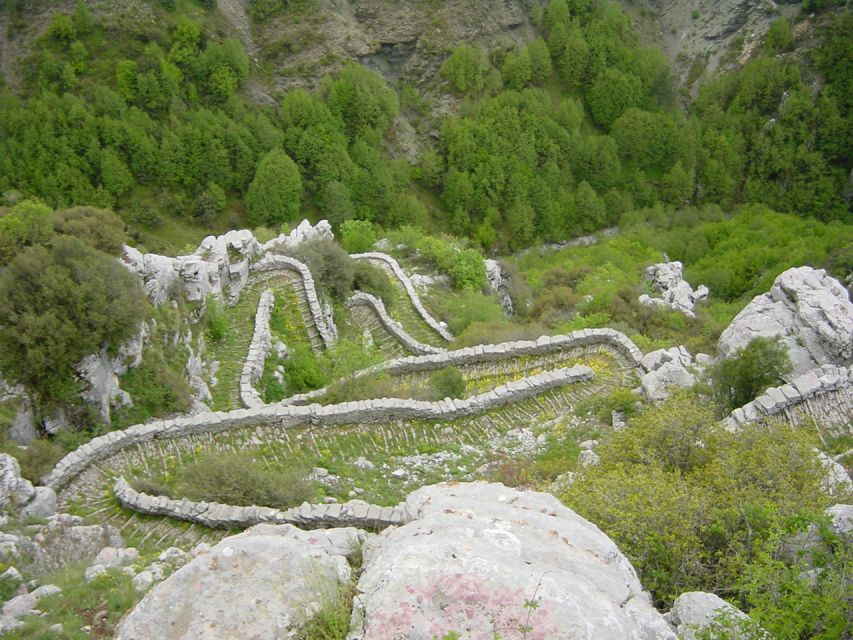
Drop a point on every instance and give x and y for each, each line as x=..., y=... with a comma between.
x=275, y=193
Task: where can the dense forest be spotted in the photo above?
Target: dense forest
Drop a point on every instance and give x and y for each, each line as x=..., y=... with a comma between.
x=552, y=140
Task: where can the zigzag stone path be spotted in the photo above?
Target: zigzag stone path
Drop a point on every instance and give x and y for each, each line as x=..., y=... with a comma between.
x=434, y=328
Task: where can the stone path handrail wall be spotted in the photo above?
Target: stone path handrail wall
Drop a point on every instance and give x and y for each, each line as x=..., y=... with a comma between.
x=277, y=261
x=361, y=411
x=812, y=385
x=215, y=515
x=259, y=348
x=409, y=287
x=393, y=327
x=492, y=353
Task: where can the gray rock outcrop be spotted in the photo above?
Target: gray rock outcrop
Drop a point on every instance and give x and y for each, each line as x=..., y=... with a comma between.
x=497, y=285
x=809, y=310
x=842, y=518
x=262, y=584
x=100, y=374
x=676, y=292
x=303, y=232
x=15, y=491
x=472, y=555
x=23, y=429
x=699, y=611
x=666, y=368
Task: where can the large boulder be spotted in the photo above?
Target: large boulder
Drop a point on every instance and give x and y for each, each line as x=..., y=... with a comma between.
x=676, y=292
x=15, y=491
x=698, y=611
x=481, y=558
x=809, y=310
x=665, y=368
x=261, y=584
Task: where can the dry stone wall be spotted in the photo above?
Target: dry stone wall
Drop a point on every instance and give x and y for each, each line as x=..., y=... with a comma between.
x=398, y=272
x=355, y=513
x=825, y=394
x=259, y=348
x=361, y=411
x=276, y=262
x=496, y=352
x=392, y=326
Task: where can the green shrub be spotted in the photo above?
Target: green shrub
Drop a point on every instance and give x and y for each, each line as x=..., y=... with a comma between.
x=357, y=236
x=302, y=371
x=374, y=280
x=332, y=268
x=237, y=479
x=748, y=372
x=468, y=270
x=215, y=320
x=448, y=383
x=37, y=458
x=690, y=503
x=459, y=310
x=99, y=228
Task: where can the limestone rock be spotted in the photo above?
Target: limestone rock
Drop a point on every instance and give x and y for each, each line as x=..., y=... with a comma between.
x=676, y=292
x=809, y=310
x=697, y=610
x=837, y=481
x=842, y=518
x=100, y=373
x=23, y=429
x=42, y=505
x=497, y=284
x=15, y=491
x=258, y=585
x=303, y=232
x=470, y=557
x=666, y=368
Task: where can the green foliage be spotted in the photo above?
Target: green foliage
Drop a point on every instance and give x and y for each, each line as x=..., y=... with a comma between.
x=360, y=98
x=99, y=228
x=749, y=371
x=468, y=270
x=611, y=94
x=690, y=503
x=332, y=620
x=37, y=458
x=234, y=478
x=331, y=266
x=465, y=68
x=517, y=69
x=302, y=371
x=779, y=37
x=58, y=305
x=158, y=386
x=374, y=280
x=357, y=236
x=276, y=191
x=26, y=224
x=215, y=320
x=448, y=383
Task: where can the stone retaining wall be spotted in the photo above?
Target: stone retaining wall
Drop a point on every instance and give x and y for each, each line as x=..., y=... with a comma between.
x=493, y=353
x=259, y=348
x=355, y=513
x=392, y=326
x=398, y=272
x=277, y=261
x=361, y=411
x=825, y=394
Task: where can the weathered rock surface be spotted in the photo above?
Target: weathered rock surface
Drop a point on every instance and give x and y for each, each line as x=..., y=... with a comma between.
x=100, y=374
x=836, y=481
x=15, y=491
x=676, y=292
x=258, y=585
x=473, y=554
x=61, y=541
x=23, y=429
x=696, y=610
x=842, y=518
x=809, y=310
x=666, y=368
x=497, y=285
